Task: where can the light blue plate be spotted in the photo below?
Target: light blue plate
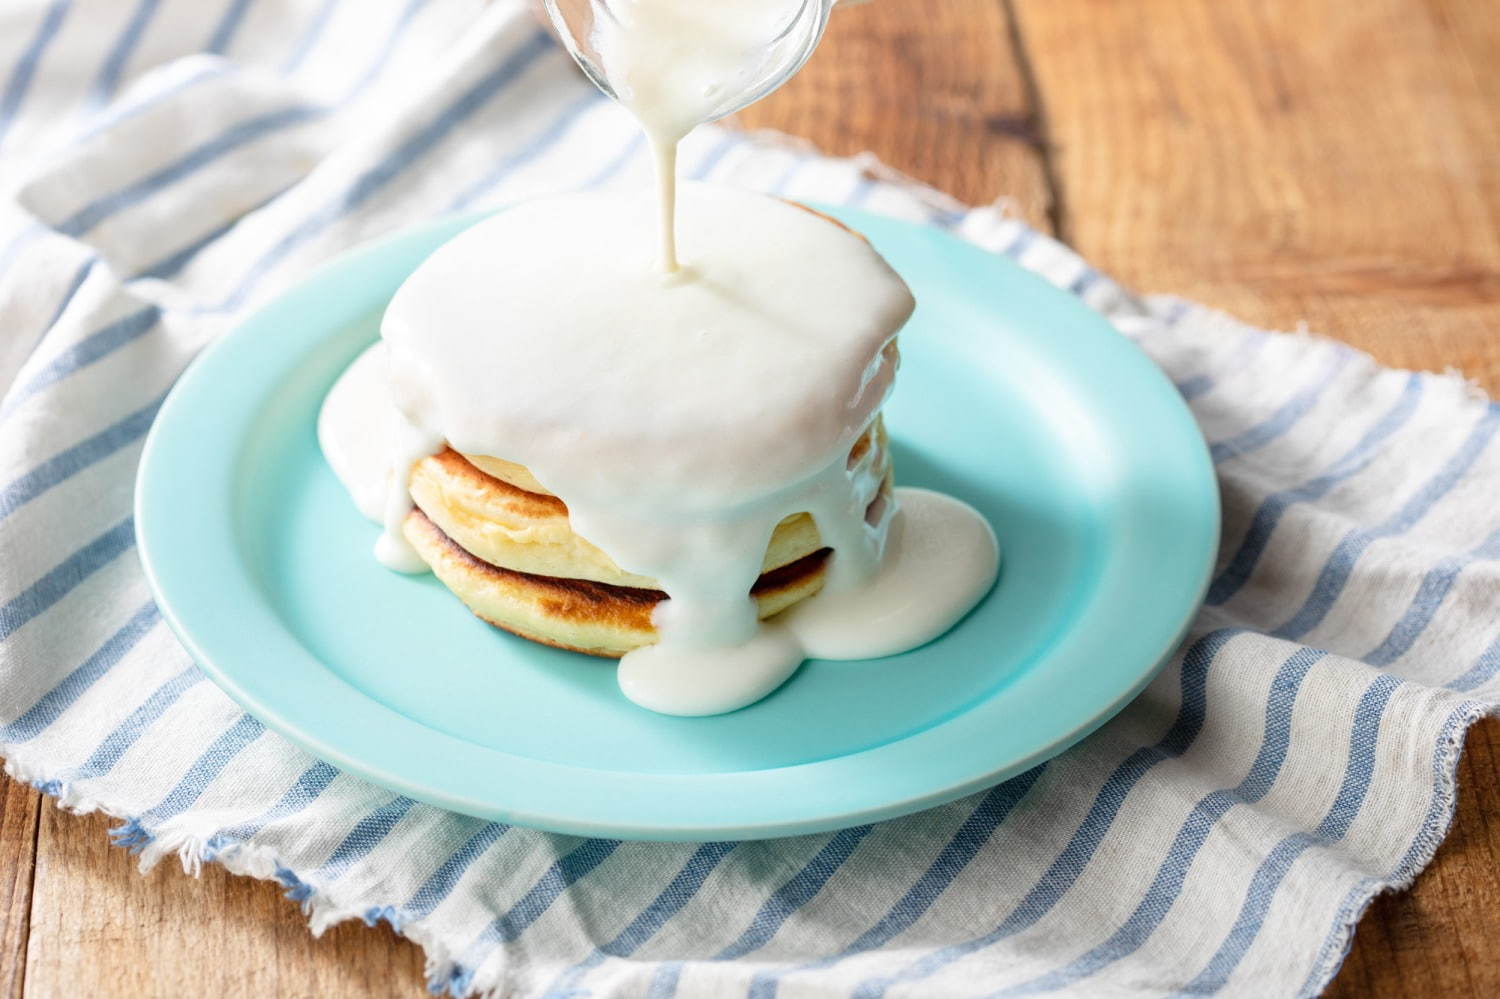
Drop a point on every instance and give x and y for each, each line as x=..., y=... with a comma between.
x=1012, y=395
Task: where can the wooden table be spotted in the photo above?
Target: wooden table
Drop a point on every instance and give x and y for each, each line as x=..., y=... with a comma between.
x=1319, y=161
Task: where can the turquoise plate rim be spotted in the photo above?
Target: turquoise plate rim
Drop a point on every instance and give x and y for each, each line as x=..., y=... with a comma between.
x=233, y=633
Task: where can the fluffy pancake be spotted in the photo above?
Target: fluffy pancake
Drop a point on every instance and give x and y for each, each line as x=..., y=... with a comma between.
x=599, y=619
x=484, y=505
x=510, y=555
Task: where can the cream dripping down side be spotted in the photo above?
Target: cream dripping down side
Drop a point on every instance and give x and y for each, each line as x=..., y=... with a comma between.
x=680, y=418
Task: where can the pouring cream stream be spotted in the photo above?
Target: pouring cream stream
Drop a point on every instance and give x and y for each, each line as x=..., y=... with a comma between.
x=676, y=63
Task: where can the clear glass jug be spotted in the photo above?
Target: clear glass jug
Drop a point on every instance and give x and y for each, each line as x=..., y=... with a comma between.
x=784, y=53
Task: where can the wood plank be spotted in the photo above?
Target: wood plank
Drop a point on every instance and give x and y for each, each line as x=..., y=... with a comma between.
x=932, y=88
x=19, y=808
x=100, y=929
x=1288, y=160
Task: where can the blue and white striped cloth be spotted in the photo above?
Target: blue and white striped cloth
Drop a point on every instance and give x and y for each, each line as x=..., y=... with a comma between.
x=168, y=164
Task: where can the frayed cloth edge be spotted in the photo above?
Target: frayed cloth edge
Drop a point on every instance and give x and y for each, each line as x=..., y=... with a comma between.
x=153, y=842
x=1424, y=847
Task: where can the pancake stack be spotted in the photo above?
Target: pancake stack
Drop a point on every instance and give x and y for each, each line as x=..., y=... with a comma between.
x=701, y=426
x=504, y=545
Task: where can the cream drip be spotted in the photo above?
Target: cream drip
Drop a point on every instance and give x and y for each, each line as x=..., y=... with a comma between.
x=366, y=439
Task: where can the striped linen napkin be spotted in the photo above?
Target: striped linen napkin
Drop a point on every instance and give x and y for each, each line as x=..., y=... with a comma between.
x=167, y=165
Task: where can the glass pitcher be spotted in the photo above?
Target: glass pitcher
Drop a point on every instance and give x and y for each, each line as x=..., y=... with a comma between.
x=784, y=53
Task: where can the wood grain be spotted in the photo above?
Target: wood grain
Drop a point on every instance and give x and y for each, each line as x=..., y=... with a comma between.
x=932, y=87
x=19, y=806
x=98, y=928
x=1287, y=160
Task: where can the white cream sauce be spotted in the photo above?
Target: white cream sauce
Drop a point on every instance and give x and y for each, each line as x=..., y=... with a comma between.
x=679, y=409
x=355, y=429
x=365, y=438
x=941, y=557
x=940, y=561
